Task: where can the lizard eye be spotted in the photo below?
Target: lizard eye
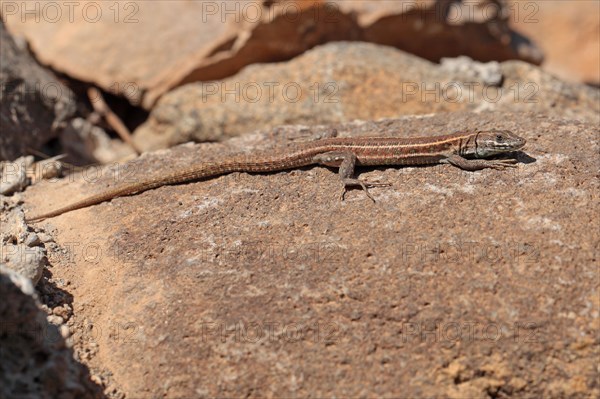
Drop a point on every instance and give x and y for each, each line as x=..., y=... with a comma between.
x=499, y=138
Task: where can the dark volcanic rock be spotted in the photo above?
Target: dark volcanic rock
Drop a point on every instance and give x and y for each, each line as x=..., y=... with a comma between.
x=36, y=362
x=34, y=106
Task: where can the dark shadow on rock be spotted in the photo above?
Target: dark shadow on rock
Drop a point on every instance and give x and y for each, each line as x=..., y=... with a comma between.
x=36, y=360
x=523, y=157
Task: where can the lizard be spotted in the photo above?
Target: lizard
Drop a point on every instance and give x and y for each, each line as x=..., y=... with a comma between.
x=465, y=150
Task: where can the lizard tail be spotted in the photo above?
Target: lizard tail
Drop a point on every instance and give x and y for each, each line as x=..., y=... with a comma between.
x=202, y=171
x=93, y=200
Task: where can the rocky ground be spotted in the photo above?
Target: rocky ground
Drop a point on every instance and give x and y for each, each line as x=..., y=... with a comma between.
x=452, y=284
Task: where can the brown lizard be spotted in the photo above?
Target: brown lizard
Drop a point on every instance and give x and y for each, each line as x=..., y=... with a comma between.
x=464, y=150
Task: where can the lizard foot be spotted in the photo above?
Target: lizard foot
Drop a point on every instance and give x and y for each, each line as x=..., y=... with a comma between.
x=363, y=184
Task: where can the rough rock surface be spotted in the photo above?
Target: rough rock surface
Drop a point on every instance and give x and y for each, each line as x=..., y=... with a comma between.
x=36, y=360
x=454, y=284
x=36, y=107
x=110, y=59
x=29, y=261
x=34, y=104
x=172, y=48
x=341, y=82
x=568, y=33
x=13, y=175
x=21, y=249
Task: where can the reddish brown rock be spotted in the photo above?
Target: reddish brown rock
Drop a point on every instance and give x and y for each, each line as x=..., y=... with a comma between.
x=567, y=32
x=37, y=107
x=141, y=50
x=434, y=29
x=127, y=45
x=283, y=30
x=340, y=82
x=453, y=284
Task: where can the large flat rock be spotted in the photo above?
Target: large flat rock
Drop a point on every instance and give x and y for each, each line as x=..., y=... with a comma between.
x=341, y=82
x=143, y=49
x=453, y=284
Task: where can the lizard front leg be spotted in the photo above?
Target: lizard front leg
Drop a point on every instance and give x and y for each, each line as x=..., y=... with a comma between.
x=478, y=164
x=346, y=162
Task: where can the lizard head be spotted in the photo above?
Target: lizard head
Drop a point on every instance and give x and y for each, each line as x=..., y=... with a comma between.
x=492, y=142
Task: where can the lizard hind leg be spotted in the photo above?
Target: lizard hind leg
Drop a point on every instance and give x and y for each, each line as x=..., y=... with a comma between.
x=346, y=162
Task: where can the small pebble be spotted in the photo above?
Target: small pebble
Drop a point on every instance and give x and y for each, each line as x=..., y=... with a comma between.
x=96, y=379
x=14, y=175
x=64, y=331
x=49, y=168
x=56, y=320
x=32, y=240
x=62, y=311
x=45, y=237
